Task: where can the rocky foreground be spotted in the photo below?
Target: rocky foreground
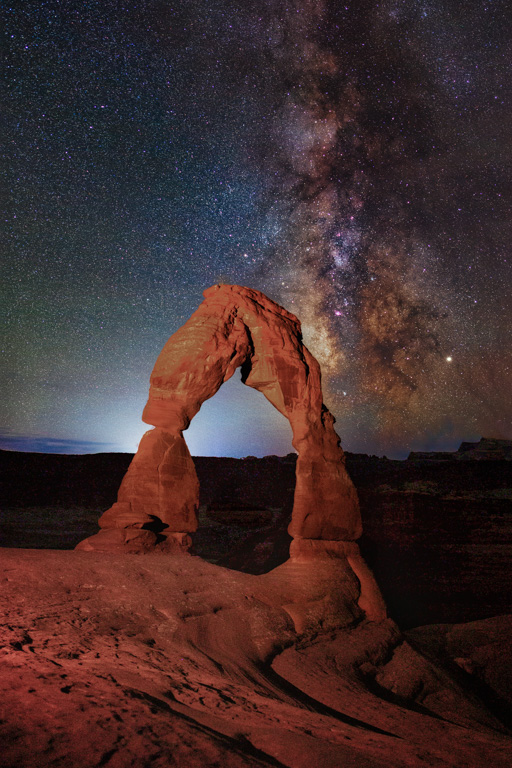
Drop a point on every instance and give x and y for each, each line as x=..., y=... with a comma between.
x=251, y=658
x=161, y=660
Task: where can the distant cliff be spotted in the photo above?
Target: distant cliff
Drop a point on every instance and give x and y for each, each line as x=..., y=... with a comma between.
x=487, y=449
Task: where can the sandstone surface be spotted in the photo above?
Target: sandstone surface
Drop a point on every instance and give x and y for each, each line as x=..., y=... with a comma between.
x=167, y=660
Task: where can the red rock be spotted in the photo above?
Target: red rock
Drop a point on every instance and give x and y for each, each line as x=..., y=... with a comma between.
x=172, y=661
x=316, y=552
x=233, y=327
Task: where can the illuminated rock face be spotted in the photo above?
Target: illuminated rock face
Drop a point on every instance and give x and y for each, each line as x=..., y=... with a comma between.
x=233, y=327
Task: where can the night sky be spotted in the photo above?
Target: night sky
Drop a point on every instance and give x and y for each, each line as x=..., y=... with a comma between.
x=352, y=160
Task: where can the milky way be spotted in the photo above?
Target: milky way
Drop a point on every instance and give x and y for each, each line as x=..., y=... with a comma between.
x=386, y=182
x=351, y=160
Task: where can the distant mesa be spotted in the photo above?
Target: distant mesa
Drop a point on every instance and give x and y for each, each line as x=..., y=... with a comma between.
x=486, y=449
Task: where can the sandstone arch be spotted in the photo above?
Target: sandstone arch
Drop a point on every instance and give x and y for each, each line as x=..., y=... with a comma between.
x=233, y=327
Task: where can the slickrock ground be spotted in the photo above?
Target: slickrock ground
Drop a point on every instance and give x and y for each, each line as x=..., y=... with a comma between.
x=167, y=660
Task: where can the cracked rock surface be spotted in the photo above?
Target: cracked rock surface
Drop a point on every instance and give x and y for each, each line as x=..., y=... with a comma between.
x=120, y=660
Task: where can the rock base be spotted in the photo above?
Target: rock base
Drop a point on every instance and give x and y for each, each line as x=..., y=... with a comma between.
x=370, y=601
x=135, y=541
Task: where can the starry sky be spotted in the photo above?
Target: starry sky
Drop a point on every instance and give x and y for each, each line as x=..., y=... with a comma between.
x=352, y=160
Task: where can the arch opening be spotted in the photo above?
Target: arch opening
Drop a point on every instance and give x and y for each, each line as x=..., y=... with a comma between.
x=238, y=421
x=246, y=483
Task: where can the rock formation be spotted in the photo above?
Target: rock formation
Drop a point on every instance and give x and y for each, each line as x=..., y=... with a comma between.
x=233, y=327
x=159, y=496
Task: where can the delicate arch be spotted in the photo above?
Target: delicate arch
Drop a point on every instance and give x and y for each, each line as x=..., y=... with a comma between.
x=236, y=327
